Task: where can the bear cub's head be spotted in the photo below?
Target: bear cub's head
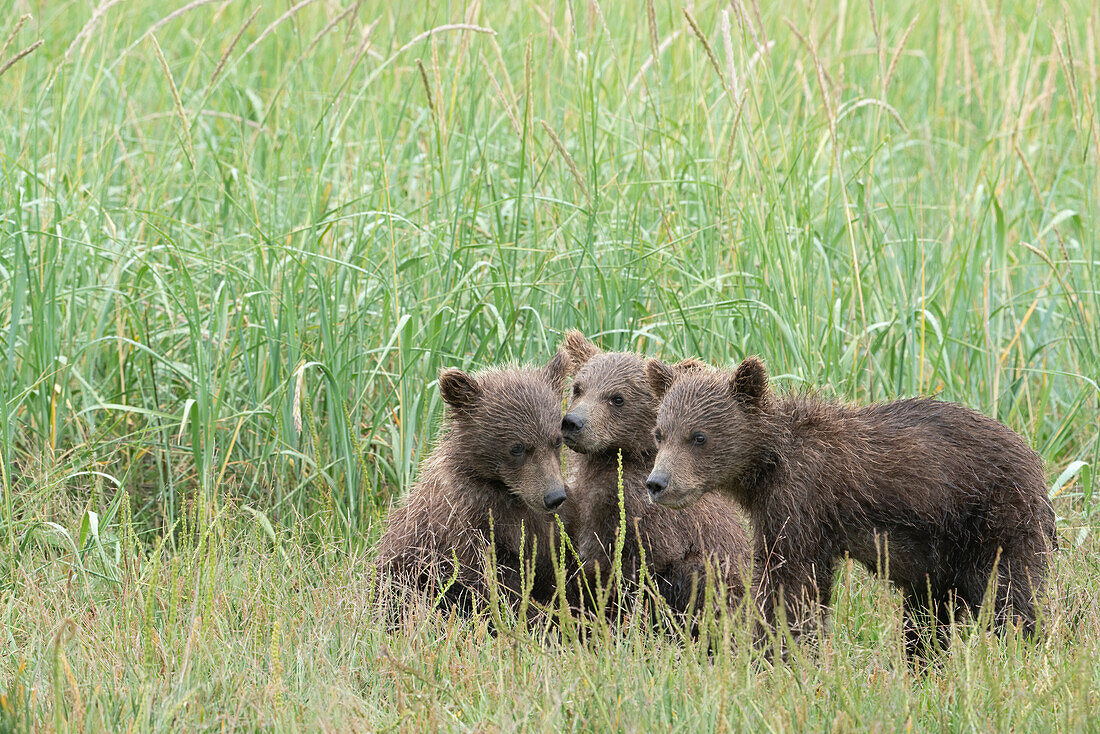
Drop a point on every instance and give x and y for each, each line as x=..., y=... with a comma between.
x=712, y=431
x=505, y=428
x=611, y=407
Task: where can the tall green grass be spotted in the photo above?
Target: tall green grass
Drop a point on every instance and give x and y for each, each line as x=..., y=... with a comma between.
x=237, y=242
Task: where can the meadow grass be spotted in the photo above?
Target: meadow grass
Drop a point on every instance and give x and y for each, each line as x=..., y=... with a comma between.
x=238, y=241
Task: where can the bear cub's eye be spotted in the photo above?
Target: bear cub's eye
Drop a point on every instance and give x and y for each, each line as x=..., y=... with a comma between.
x=698, y=438
x=517, y=449
x=657, y=436
x=617, y=401
x=576, y=389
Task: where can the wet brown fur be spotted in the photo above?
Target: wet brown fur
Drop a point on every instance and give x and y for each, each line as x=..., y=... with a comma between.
x=930, y=494
x=678, y=545
x=470, y=477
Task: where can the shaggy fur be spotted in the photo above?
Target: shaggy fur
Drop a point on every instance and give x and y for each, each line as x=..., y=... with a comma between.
x=498, y=460
x=934, y=496
x=612, y=409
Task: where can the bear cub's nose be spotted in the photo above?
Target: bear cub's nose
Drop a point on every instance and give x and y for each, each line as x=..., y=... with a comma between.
x=571, y=423
x=554, y=498
x=656, y=484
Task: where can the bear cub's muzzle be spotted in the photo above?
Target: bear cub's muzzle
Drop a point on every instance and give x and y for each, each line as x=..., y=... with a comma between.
x=656, y=483
x=554, y=497
x=571, y=427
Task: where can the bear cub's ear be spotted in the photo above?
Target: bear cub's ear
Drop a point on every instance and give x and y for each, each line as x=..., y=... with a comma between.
x=660, y=377
x=459, y=390
x=749, y=383
x=557, y=369
x=579, y=349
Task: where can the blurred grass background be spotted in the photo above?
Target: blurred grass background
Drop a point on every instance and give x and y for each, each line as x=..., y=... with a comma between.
x=237, y=241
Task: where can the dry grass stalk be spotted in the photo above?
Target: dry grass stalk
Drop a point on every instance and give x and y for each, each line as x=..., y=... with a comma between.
x=86, y=31
x=427, y=87
x=528, y=86
x=503, y=69
x=877, y=31
x=896, y=56
x=440, y=29
x=184, y=123
x=727, y=43
x=551, y=31
x=568, y=158
x=296, y=404
x=598, y=11
x=231, y=46
x=710, y=51
x=12, y=61
x=652, y=60
x=276, y=23
x=434, y=49
x=364, y=44
x=166, y=19
x=502, y=97
x=330, y=25
x=651, y=18
x=1027, y=169
x=14, y=32
x=457, y=56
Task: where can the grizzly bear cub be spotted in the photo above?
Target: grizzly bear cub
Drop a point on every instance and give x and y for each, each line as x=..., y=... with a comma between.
x=495, y=473
x=612, y=410
x=932, y=495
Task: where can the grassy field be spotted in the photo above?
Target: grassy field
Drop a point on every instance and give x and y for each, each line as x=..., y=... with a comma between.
x=238, y=241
